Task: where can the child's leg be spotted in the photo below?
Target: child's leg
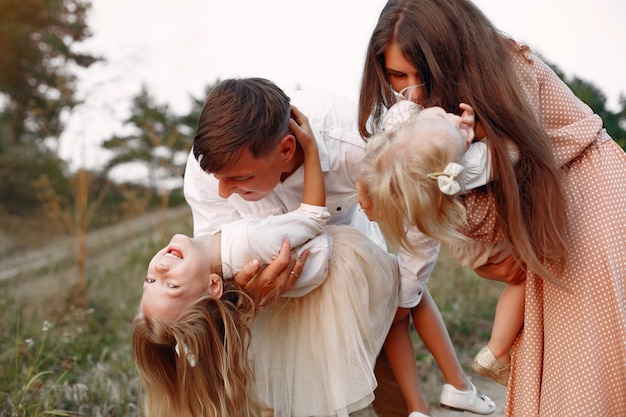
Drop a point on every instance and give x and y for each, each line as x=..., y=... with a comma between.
x=432, y=330
x=458, y=393
x=508, y=321
x=401, y=356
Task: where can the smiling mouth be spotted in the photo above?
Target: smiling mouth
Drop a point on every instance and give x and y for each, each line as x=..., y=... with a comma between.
x=174, y=253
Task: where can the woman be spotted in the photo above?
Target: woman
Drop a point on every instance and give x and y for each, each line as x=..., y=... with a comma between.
x=562, y=205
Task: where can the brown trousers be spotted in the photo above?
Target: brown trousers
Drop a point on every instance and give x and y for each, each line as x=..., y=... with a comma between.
x=389, y=401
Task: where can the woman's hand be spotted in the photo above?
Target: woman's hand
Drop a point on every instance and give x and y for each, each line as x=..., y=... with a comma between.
x=510, y=270
x=268, y=282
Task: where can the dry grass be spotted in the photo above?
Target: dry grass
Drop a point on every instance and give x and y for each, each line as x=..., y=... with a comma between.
x=56, y=359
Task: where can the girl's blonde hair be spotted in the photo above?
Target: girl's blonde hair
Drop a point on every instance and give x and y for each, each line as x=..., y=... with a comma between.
x=197, y=365
x=401, y=191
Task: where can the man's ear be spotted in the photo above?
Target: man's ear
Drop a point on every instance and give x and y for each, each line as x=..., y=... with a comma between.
x=215, y=285
x=287, y=147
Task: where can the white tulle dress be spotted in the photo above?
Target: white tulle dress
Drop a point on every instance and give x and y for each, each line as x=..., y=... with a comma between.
x=313, y=354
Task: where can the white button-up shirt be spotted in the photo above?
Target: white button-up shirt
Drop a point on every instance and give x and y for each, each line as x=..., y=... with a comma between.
x=341, y=148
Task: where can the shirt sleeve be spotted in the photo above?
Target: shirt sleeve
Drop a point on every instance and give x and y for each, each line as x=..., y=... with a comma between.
x=476, y=162
x=477, y=165
x=261, y=238
x=208, y=209
x=298, y=226
x=570, y=123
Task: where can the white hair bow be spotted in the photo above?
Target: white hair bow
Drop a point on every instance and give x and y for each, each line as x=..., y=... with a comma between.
x=447, y=180
x=191, y=358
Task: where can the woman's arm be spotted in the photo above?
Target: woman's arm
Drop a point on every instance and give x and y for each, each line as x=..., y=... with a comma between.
x=510, y=270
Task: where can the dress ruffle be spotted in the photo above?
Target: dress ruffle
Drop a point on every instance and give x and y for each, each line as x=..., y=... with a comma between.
x=315, y=355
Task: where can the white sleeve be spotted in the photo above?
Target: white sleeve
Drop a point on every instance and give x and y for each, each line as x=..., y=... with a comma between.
x=477, y=165
x=208, y=209
x=476, y=162
x=299, y=226
x=261, y=238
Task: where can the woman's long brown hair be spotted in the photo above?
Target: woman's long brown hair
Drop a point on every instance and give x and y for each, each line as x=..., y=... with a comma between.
x=463, y=58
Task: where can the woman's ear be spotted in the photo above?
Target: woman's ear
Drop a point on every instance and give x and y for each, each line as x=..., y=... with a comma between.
x=215, y=285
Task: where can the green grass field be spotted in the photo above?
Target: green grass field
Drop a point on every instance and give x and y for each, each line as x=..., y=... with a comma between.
x=57, y=359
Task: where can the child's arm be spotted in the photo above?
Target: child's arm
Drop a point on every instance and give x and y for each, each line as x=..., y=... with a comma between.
x=314, y=192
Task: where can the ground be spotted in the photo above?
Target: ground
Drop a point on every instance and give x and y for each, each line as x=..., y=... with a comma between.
x=108, y=245
x=496, y=391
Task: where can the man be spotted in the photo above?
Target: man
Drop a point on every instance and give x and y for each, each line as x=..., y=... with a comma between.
x=246, y=163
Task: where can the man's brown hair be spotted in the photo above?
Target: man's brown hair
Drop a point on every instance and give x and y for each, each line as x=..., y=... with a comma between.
x=250, y=113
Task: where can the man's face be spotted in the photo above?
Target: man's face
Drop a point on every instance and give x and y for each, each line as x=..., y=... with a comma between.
x=252, y=178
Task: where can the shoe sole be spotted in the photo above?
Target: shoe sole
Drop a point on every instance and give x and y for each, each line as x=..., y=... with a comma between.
x=487, y=373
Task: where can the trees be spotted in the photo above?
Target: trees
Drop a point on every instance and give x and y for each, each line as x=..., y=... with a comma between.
x=37, y=88
x=37, y=51
x=159, y=142
x=614, y=123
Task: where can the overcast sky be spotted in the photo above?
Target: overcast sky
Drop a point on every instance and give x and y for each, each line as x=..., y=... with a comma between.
x=178, y=47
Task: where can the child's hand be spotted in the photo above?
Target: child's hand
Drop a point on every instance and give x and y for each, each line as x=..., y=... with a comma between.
x=299, y=125
x=467, y=121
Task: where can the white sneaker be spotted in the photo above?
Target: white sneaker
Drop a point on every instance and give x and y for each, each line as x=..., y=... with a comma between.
x=470, y=400
x=417, y=414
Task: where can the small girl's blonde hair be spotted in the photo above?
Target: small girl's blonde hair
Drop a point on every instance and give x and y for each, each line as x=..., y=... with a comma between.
x=401, y=191
x=197, y=365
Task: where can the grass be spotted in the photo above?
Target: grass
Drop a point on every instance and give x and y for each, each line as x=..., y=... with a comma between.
x=58, y=360
x=467, y=304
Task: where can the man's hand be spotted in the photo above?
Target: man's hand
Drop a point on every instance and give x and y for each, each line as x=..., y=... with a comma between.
x=268, y=282
x=510, y=270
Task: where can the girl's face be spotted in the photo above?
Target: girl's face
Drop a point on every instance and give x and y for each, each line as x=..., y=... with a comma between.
x=178, y=275
x=402, y=75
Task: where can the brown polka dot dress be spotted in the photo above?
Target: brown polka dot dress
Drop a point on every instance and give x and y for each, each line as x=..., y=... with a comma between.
x=570, y=358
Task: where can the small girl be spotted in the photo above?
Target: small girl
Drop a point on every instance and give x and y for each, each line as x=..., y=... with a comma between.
x=412, y=176
x=202, y=348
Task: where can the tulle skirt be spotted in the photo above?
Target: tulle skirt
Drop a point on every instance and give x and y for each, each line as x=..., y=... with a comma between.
x=315, y=355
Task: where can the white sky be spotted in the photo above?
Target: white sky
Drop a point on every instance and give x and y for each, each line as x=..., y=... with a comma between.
x=178, y=47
